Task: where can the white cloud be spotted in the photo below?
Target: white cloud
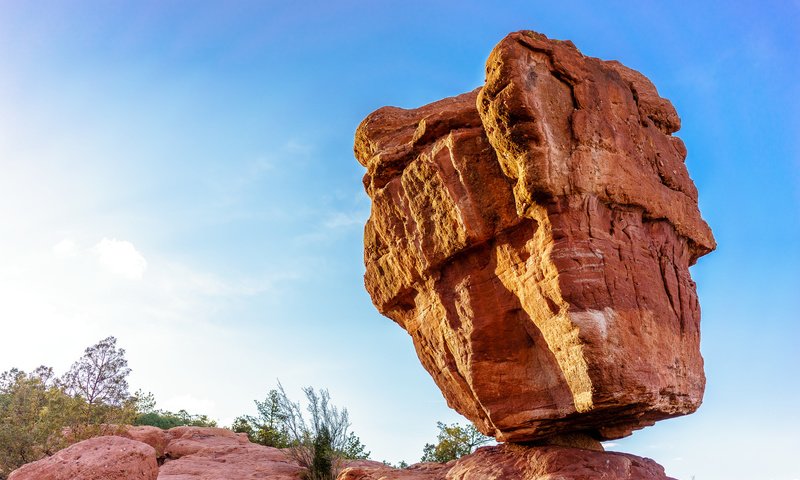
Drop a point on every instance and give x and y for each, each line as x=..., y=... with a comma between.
x=120, y=257
x=66, y=248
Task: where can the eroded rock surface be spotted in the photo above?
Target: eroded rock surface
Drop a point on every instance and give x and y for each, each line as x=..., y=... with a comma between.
x=522, y=463
x=99, y=458
x=534, y=238
x=194, y=453
x=183, y=453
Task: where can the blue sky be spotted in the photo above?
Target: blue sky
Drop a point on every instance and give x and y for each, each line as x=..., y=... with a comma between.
x=180, y=175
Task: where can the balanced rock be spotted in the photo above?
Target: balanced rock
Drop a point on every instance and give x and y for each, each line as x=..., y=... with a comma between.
x=534, y=238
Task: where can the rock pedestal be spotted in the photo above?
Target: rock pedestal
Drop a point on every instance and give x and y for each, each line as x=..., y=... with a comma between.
x=508, y=461
x=534, y=238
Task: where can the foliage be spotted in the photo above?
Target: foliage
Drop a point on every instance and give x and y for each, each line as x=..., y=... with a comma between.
x=34, y=413
x=353, y=448
x=100, y=376
x=147, y=414
x=40, y=414
x=455, y=441
x=165, y=419
x=323, y=458
x=267, y=428
x=319, y=441
x=323, y=417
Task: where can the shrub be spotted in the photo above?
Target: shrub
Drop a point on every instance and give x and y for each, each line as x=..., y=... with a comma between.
x=319, y=443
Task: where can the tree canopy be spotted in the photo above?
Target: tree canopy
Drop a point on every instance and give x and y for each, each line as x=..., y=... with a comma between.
x=454, y=441
x=100, y=376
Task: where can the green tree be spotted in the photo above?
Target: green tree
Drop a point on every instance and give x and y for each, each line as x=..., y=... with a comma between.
x=353, y=449
x=267, y=428
x=165, y=419
x=148, y=414
x=454, y=441
x=100, y=376
x=34, y=414
x=319, y=440
x=40, y=414
x=322, y=460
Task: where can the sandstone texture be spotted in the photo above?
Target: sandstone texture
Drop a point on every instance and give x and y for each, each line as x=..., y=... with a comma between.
x=99, y=458
x=149, y=453
x=194, y=453
x=522, y=463
x=534, y=238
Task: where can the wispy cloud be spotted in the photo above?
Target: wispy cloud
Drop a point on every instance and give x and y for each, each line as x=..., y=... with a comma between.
x=298, y=147
x=345, y=219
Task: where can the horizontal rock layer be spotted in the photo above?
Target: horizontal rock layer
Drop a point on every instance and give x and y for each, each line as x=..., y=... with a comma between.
x=534, y=238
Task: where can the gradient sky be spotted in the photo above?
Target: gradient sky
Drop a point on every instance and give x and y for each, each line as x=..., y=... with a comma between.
x=180, y=175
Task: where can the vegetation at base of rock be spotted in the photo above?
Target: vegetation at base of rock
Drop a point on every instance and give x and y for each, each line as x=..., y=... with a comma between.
x=454, y=441
x=41, y=413
x=267, y=427
x=319, y=442
x=32, y=411
x=165, y=419
x=148, y=414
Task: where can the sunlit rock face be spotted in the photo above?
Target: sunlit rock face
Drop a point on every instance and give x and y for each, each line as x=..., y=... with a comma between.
x=534, y=238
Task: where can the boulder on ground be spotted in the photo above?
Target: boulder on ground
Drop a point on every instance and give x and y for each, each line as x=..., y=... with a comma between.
x=99, y=458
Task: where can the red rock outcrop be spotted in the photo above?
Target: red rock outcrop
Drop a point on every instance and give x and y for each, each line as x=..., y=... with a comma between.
x=522, y=463
x=214, y=453
x=534, y=238
x=232, y=462
x=99, y=458
x=153, y=436
x=187, y=453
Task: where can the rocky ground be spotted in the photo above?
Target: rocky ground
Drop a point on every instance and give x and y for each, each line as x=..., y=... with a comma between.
x=195, y=453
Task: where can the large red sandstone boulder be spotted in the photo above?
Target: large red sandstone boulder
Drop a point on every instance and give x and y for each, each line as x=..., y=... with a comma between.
x=200, y=453
x=99, y=458
x=153, y=436
x=232, y=462
x=189, y=453
x=522, y=463
x=534, y=238
x=184, y=441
